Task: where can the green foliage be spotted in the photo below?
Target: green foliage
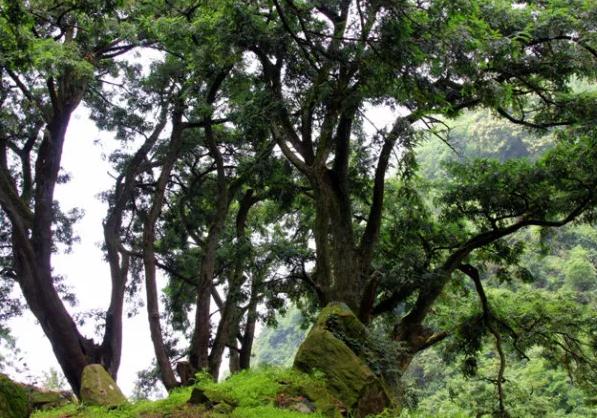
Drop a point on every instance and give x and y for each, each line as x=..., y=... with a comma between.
x=532, y=388
x=539, y=282
x=492, y=193
x=258, y=388
x=176, y=400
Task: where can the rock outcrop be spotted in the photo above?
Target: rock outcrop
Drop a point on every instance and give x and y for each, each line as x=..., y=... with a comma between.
x=336, y=346
x=14, y=402
x=98, y=388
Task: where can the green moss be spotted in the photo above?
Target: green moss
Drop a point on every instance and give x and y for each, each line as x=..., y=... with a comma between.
x=40, y=399
x=346, y=374
x=14, y=402
x=67, y=410
x=344, y=318
x=249, y=394
x=261, y=387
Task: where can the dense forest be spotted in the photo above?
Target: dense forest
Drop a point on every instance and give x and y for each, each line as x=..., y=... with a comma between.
x=417, y=178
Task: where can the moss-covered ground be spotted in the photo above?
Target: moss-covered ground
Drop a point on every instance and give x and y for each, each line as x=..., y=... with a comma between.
x=252, y=394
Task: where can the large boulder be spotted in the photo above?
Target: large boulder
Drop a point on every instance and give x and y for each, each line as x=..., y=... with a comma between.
x=14, y=402
x=338, y=346
x=98, y=388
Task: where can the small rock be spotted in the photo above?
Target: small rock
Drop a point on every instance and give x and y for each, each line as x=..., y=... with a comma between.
x=98, y=388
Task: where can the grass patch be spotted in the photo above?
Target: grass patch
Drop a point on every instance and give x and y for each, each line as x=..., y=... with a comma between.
x=253, y=393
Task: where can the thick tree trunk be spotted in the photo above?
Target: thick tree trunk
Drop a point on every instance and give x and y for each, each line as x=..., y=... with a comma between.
x=32, y=257
x=67, y=343
x=338, y=270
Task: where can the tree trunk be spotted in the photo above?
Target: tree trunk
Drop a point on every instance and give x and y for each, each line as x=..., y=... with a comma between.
x=337, y=267
x=149, y=260
x=225, y=327
x=118, y=260
x=199, y=350
x=68, y=345
x=32, y=257
x=111, y=349
x=249, y=332
x=234, y=357
x=230, y=314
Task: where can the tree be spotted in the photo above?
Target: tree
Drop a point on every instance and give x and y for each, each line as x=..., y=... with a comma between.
x=54, y=55
x=321, y=65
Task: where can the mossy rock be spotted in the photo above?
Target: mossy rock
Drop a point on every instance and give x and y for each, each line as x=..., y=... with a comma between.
x=14, y=402
x=327, y=348
x=44, y=399
x=99, y=389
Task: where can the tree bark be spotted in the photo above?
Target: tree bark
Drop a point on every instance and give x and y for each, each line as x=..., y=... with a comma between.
x=199, y=350
x=249, y=333
x=234, y=357
x=338, y=271
x=230, y=314
x=149, y=259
